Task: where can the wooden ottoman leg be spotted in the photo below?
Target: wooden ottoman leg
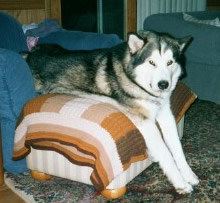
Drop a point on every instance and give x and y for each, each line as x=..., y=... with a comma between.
x=113, y=194
x=40, y=176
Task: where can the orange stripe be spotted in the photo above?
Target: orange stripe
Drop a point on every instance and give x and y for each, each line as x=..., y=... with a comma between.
x=72, y=157
x=118, y=125
x=135, y=159
x=21, y=153
x=35, y=104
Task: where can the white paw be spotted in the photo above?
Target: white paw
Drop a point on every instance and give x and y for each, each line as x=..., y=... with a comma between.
x=193, y=180
x=190, y=177
x=186, y=188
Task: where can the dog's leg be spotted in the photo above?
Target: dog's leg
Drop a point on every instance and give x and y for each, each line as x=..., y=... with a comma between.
x=170, y=134
x=158, y=150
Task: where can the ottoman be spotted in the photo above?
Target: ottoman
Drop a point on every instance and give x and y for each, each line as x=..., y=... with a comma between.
x=86, y=140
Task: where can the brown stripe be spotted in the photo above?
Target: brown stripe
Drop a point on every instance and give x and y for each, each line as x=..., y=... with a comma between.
x=20, y=154
x=181, y=99
x=101, y=176
x=97, y=182
x=62, y=149
x=131, y=145
x=97, y=112
x=69, y=148
x=74, y=150
x=63, y=135
x=129, y=141
x=135, y=159
x=118, y=125
x=185, y=107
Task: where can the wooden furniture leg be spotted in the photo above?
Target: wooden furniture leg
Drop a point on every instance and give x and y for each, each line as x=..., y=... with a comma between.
x=40, y=176
x=113, y=194
x=110, y=194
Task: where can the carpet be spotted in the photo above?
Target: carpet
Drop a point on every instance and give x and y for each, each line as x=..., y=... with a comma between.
x=201, y=143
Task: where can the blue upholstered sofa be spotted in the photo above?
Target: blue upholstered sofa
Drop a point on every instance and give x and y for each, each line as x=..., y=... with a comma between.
x=202, y=56
x=16, y=84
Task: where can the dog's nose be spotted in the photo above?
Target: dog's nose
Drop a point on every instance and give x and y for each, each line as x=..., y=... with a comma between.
x=163, y=84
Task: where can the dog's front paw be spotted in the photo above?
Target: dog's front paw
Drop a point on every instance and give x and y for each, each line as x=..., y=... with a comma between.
x=184, y=189
x=190, y=177
x=194, y=180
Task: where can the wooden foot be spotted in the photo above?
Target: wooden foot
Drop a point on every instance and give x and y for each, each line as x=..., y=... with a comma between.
x=113, y=194
x=40, y=176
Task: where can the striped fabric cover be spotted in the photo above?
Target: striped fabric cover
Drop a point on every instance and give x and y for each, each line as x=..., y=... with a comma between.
x=87, y=133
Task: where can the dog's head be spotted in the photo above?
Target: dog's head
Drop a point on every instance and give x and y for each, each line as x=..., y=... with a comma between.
x=156, y=60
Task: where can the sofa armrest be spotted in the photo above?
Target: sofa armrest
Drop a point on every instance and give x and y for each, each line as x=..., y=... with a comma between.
x=16, y=88
x=205, y=46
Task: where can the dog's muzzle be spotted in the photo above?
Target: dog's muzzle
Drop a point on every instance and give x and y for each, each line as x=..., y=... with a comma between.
x=163, y=84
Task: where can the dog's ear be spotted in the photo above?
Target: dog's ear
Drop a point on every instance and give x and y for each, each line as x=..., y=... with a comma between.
x=184, y=42
x=135, y=42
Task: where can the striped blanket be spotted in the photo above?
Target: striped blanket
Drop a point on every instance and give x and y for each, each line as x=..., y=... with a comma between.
x=87, y=132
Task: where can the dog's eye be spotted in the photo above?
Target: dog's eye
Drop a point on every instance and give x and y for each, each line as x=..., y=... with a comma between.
x=152, y=63
x=170, y=62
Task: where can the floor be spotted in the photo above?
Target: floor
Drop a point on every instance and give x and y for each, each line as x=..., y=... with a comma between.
x=8, y=196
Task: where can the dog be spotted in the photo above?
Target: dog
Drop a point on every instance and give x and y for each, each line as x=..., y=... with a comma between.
x=138, y=77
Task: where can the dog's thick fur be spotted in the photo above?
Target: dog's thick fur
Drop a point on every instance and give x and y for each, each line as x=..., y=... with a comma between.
x=138, y=77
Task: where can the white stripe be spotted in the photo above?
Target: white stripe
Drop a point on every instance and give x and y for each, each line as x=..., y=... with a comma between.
x=50, y=159
x=21, y=130
x=45, y=163
x=40, y=159
x=77, y=107
x=60, y=166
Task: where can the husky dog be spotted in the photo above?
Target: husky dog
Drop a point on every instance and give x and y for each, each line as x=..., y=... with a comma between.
x=138, y=77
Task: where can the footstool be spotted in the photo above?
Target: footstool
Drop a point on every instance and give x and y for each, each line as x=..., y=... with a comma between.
x=86, y=140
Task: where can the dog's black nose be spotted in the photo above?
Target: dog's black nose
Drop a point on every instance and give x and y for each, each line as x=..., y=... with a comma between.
x=163, y=84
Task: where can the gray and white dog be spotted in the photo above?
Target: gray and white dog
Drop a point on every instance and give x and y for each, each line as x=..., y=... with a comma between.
x=138, y=77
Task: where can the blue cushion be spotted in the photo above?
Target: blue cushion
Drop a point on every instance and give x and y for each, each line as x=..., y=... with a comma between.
x=77, y=40
x=16, y=88
x=11, y=34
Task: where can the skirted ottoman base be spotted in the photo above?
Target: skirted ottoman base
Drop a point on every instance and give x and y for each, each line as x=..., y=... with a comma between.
x=44, y=162
x=86, y=140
